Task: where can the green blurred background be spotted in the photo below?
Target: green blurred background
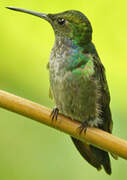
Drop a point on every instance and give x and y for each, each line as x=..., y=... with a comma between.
x=32, y=151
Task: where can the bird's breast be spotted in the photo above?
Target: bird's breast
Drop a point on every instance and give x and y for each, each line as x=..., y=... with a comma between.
x=75, y=93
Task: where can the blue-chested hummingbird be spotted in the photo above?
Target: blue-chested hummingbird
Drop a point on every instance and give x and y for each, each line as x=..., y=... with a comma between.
x=77, y=79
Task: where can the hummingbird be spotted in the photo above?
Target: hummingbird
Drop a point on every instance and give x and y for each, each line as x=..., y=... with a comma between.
x=78, y=83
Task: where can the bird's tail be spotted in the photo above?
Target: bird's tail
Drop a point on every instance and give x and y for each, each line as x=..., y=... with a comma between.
x=93, y=155
x=103, y=158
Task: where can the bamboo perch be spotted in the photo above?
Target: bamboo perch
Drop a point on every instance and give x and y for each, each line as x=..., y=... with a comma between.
x=41, y=114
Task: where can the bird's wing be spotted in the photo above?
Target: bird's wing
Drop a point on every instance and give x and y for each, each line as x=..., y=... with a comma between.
x=105, y=96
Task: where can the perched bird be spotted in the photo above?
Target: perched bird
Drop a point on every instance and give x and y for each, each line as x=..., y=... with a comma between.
x=77, y=79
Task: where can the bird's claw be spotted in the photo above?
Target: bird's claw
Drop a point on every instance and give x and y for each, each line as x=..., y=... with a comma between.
x=83, y=127
x=54, y=113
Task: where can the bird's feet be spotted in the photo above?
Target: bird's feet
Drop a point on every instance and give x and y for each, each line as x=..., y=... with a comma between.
x=54, y=114
x=83, y=127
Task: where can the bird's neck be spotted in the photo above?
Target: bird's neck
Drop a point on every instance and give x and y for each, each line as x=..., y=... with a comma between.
x=70, y=54
x=69, y=43
x=59, y=40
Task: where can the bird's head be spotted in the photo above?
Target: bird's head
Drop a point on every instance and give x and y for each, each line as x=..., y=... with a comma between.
x=72, y=25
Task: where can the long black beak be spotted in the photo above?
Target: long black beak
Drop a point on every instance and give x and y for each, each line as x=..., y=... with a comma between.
x=41, y=15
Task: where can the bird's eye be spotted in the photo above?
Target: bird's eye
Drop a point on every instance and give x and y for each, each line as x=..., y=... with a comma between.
x=61, y=21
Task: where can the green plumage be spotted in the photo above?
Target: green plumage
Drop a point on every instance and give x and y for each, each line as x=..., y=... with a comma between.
x=77, y=79
x=78, y=83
